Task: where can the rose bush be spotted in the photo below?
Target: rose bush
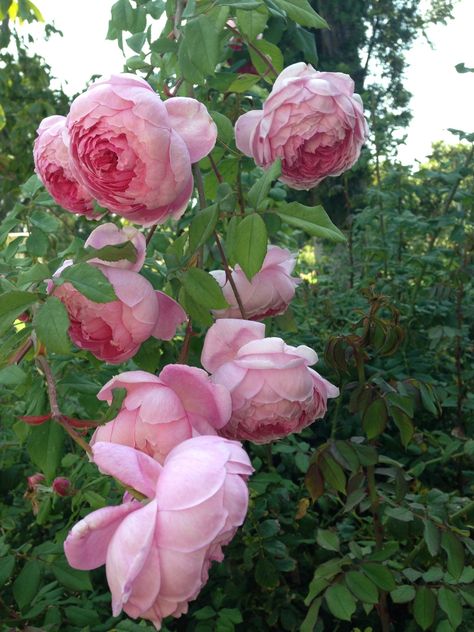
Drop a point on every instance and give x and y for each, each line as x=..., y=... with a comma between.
x=268, y=293
x=274, y=392
x=52, y=165
x=114, y=331
x=133, y=151
x=159, y=412
x=157, y=555
x=312, y=120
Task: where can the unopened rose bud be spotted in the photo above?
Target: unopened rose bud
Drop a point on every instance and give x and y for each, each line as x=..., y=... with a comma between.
x=62, y=486
x=35, y=480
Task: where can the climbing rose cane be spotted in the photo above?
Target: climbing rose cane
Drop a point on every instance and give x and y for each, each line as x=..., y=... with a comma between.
x=159, y=412
x=52, y=165
x=133, y=151
x=268, y=293
x=274, y=392
x=114, y=331
x=312, y=120
x=158, y=553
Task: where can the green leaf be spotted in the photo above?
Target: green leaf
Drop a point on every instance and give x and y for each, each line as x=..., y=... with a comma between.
x=202, y=227
x=82, y=616
x=424, y=607
x=120, y=252
x=313, y=220
x=118, y=395
x=380, y=575
x=332, y=472
x=268, y=528
x=70, y=577
x=306, y=43
x=203, y=289
x=455, y=552
x=45, y=446
x=37, y=272
x=270, y=69
x=251, y=244
x=432, y=537
x=37, y=243
x=362, y=587
x=451, y=605
x=12, y=304
x=260, y=189
x=317, y=585
x=136, y=42
x=189, y=70
x=348, y=454
x=7, y=564
x=201, y=38
x=311, y=616
x=27, y=583
x=89, y=281
x=266, y=574
x=244, y=5
x=375, y=418
x=403, y=594
x=195, y=310
x=31, y=186
x=340, y=602
x=404, y=425
x=3, y=118
x=45, y=221
x=399, y=513
x=12, y=375
x=252, y=23
x=225, y=129
x=243, y=82
x=51, y=323
x=301, y=12
x=328, y=540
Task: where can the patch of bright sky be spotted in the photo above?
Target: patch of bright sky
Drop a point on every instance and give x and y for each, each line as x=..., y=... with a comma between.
x=442, y=98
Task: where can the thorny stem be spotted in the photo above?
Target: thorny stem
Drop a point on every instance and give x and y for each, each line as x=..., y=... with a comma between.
x=263, y=57
x=183, y=355
x=20, y=353
x=215, y=169
x=229, y=277
x=225, y=263
x=180, y=4
x=56, y=414
x=151, y=232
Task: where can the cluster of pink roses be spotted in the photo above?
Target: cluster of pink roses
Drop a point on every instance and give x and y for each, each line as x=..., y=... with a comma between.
x=175, y=440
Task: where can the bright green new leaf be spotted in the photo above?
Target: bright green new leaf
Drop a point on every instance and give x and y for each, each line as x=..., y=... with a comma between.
x=340, y=602
x=243, y=83
x=251, y=244
x=313, y=220
x=51, y=324
x=252, y=23
x=3, y=118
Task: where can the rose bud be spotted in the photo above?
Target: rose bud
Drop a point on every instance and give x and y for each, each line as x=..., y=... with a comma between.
x=273, y=390
x=159, y=412
x=133, y=151
x=51, y=156
x=268, y=293
x=157, y=553
x=111, y=235
x=34, y=480
x=312, y=120
x=62, y=486
x=114, y=331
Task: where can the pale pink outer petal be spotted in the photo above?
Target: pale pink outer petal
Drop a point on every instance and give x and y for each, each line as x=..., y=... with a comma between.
x=86, y=545
x=119, y=430
x=331, y=390
x=129, y=466
x=244, y=130
x=198, y=394
x=127, y=556
x=294, y=71
x=193, y=123
x=224, y=339
x=126, y=379
x=170, y=316
x=111, y=235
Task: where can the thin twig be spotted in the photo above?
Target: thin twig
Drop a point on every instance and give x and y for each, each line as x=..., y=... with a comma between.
x=183, y=355
x=263, y=57
x=151, y=232
x=229, y=277
x=215, y=169
x=20, y=353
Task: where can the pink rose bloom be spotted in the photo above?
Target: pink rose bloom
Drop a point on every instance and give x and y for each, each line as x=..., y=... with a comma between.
x=312, y=120
x=111, y=235
x=159, y=412
x=52, y=165
x=114, y=331
x=274, y=392
x=133, y=151
x=268, y=293
x=157, y=554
